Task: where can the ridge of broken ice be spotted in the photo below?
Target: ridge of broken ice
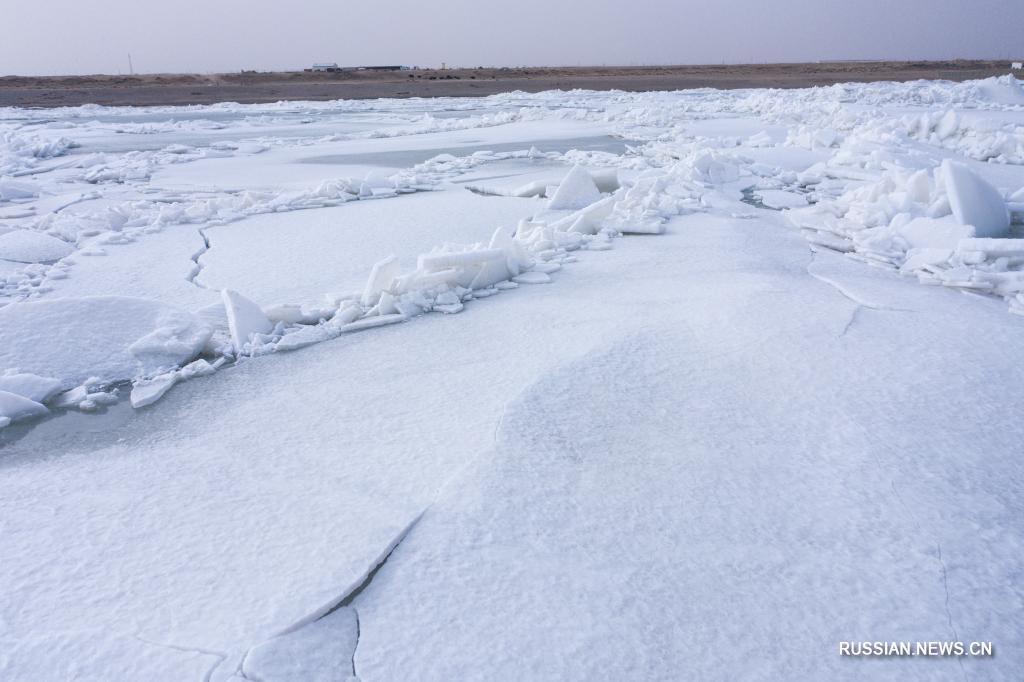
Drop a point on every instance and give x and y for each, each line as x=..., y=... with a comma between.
x=879, y=191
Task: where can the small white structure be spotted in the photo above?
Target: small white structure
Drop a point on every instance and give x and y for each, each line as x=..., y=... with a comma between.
x=1017, y=66
x=326, y=67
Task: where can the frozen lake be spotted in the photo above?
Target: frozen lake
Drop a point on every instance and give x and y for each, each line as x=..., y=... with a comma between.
x=569, y=385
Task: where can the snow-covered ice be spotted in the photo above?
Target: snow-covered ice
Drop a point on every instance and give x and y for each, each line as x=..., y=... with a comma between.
x=112, y=338
x=387, y=389
x=29, y=246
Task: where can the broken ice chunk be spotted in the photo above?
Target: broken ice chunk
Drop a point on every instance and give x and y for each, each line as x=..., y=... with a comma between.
x=148, y=391
x=285, y=312
x=306, y=336
x=433, y=262
x=935, y=233
x=71, y=398
x=371, y=322
x=14, y=407
x=177, y=337
x=991, y=248
x=974, y=201
x=36, y=388
x=245, y=318
x=606, y=179
x=199, y=368
x=924, y=257
x=530, y=189
x=381, y=276
x=577, y=190
x=114, y=338
x=491, y=272
x=348, y=312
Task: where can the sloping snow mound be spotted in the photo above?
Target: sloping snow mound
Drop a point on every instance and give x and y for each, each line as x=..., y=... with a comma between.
x=974, y=201
x=577, y=190
x=112, y=338
x=29, y=246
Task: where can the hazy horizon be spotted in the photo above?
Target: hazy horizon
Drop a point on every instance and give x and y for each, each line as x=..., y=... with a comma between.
x=193, y=36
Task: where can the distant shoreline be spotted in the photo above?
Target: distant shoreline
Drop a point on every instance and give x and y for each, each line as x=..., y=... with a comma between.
x=252, y=88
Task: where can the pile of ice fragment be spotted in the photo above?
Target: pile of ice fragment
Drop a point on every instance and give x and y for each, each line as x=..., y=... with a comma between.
x=578, y=217
x=20, y=152
x=946, y=226
x=75, y=352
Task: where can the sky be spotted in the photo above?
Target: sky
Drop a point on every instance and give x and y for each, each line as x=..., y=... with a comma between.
x=49, y=37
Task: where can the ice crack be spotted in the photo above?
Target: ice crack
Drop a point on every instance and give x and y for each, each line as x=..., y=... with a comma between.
x=355, y=592
x=356, y=647
x=350, y=594
x=859, y=303
x=197, y=267
x=949, y=613
x=219, y=655
x=942, y=565
x=853, y=318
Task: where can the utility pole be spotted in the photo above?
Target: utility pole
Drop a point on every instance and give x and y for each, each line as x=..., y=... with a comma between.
x=131, y=71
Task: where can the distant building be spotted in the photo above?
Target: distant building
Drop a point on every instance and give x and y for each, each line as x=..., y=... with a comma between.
x=1017, y=66
x=334, y=67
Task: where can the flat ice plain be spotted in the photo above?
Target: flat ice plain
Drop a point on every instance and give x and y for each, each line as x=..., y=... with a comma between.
x=568, y=386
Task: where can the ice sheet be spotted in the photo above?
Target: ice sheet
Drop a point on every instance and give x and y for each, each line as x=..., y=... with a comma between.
x=712, y=451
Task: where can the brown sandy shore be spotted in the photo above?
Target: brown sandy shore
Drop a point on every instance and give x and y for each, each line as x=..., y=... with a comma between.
x=250, y=87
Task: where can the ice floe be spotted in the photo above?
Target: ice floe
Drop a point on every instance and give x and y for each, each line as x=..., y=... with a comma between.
x=112, y=338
